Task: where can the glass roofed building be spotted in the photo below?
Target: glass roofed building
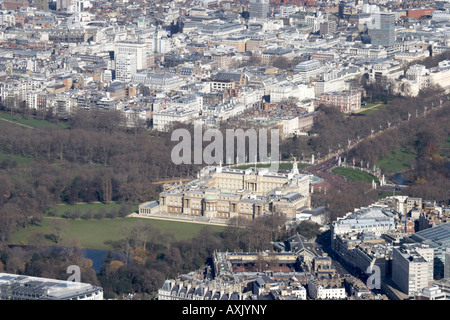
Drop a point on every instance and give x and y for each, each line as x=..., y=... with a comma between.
x=437, y=238
x=20, y=287
x=373, y=219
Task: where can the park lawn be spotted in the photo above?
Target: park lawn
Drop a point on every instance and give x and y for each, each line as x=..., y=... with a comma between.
x=93, y=234
x=445, y=149
x=281, y=166
x=398, y=161
x=355, y=174
x=381, y=105
x=20, y=160
x=385, y=194
x=59, y=210
x=32, y=122
x=369, y=105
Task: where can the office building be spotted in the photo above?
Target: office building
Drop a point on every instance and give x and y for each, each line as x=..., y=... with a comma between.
x=382, y=29
x=328, y=27
x=437, y=238
x=41, y=5
x=259, y=9
x=447, y=264
x=126, y=66
x=412, y=267
x=139, y=49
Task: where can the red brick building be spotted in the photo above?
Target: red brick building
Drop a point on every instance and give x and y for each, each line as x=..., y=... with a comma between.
x=417, y=13
x=346, y=101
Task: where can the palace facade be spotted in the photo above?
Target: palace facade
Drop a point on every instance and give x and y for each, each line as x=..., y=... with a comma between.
x=224, y=193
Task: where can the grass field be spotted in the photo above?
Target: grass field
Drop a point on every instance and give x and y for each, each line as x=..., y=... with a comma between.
x=398, y=161
x=18, y=159
x=32, y=122
x=59, y=210
x=92, y=234
x=282, y=166
x=384, y=194
x=369, y=105
x=445, y=149
x=373, y=109
x=355, y=174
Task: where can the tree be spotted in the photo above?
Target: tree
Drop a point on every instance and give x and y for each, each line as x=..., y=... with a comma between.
x=59, y=226
x=37, y=239
x=172, y=257
x=107, y=189
x=15, y=265
x=308, y=229
x=260, y=263
x=282, y=63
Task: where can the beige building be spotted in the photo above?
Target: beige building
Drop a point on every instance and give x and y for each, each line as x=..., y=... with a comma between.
x=223, y=193
x=236, y=41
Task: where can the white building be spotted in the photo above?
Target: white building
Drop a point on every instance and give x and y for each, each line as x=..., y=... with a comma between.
x=309, y=69
x=126, y=66
x=284, y=91
x=412, y=267
x=162, y=120
x=139, y=50
x=319, y=291
x=418, y=77
x=432, y=293
x=7, y=18
x=373, y=219
x=392, y=70
x=289, y=126
x=158, y=82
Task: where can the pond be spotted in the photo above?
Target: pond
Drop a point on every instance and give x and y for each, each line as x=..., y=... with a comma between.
x=97, y=256
x=399, y=178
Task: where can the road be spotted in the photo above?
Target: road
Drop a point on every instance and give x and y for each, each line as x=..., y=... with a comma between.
x=171, y=181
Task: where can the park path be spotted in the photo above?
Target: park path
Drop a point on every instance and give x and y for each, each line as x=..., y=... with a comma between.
x=136, y=215
x=364, y=109
x=14, y=122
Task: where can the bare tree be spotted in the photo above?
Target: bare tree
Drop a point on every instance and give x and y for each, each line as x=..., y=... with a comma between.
x=59, y=226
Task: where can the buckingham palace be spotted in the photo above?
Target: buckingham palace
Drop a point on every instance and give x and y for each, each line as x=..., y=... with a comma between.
x=223, y=193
